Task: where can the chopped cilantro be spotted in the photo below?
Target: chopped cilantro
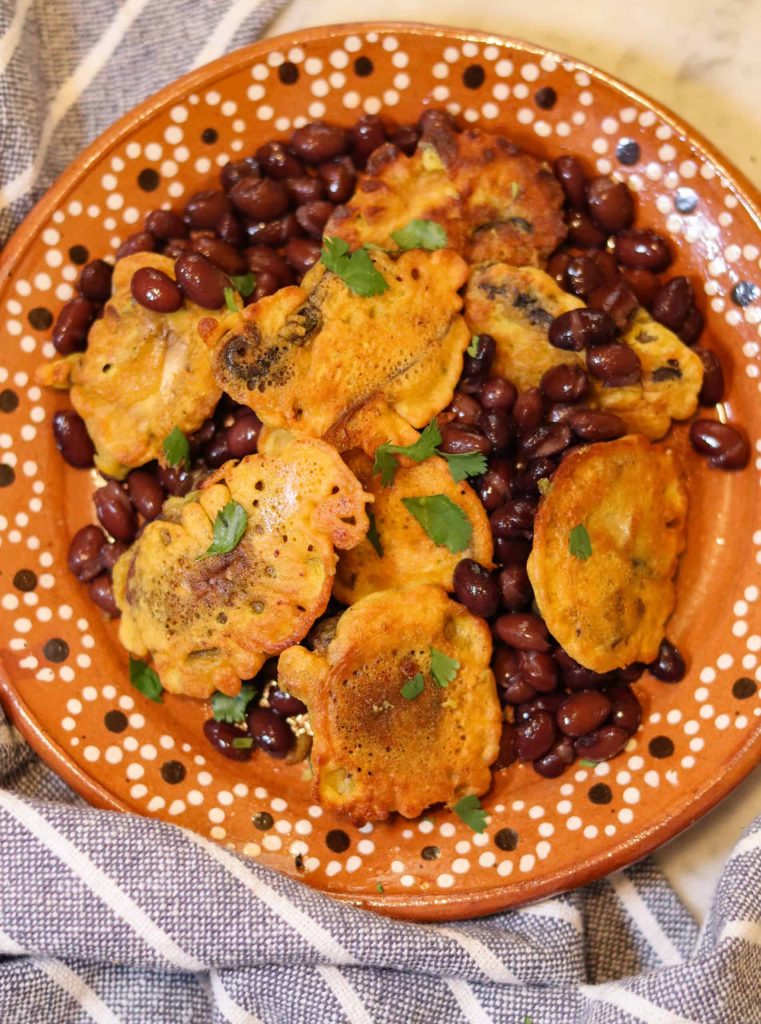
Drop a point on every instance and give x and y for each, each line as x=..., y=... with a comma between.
x=462, y=466
x=176, y=448
x=229, y=527
x=355, y=269
x=418, y=451
x=469, y=810
x=413, y=687
x=420, y=234
x=145, y=679
x=443, y=668
x=379, y=887
x=244, y=284
x=588, y=764
x=444, y=522
x=243, y=742
x=230, y=302
x=472, y=348
x=232, y=709
x=579, y=543
x=373, y=536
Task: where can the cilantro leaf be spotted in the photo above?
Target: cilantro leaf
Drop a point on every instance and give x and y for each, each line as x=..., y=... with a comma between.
x=444, y=522
x=373, y=535
x=527, y=1019
x=588, y=764
x=230, y=302
x=461, y=466
x=420, y=234
x=145, y=679
x=472, y=348
x=379, y=887
x=413, y=687
x=469, y=810
x=579, y=543
x=443, y=668
x=232, y=709
x=229, y=527
x=355, y=269
x=176, y=448
x=244, y=284
x=243, y=742
x=418, y=451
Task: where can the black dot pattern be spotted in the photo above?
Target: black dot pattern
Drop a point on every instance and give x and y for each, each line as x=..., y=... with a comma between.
x=115, y=721
x=473, y=77
x=627, y=152
x=661, y=746
x=745, y=292
x=79, y=254
x=7, y=475
x=25, y=580
x=743, y=688
x=263, y=821
x=506, y=839
x=173, y=772
x=337, y=840
x=148, y=179
x=685, y=199
x=545, y=98
x=430, y=853
x=56, y=650
x=600, y=793
x=288, y=73
x=209, y=136
x=363, y=67
x=8, y=400
x=40, y=318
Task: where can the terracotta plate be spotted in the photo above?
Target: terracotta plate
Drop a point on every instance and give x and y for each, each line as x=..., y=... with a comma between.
x=63, y=673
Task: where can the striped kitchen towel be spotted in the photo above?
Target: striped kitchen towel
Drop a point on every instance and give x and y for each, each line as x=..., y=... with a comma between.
x=112, y=918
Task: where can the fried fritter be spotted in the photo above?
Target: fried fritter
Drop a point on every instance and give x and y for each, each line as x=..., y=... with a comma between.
x=494, y=202
x=610, y=609
x=210, y=621
x=317, y=358
x=376, y=751
x=142, y=373
x=517, y=305
x=409, y=555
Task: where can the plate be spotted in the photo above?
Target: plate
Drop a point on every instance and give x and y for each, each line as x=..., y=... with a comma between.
x=63, y=673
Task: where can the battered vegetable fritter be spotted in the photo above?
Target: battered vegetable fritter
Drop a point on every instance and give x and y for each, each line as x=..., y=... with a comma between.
x=143, y=372
x=319, y=359
x=609, y=609
x=375, y=750
x=494, y=202
x=517, y=305
x=209, y=622
x=409, y=555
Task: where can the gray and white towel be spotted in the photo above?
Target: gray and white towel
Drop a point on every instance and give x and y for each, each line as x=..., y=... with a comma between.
x=111, y=918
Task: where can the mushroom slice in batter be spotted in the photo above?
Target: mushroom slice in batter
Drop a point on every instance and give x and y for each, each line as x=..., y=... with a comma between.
x=209, y=621
x=607, y=539
x=143, y=373
x=387, y=735
x=317, y=358
x=495, y=202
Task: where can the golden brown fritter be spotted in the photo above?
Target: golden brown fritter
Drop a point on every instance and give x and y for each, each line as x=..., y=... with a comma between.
x=209, y=622
x=494, y=202
x=142, y=374
x=610, y=609
x=409, y=554
x=376, y=751
x=318, y=358
x=517, y=305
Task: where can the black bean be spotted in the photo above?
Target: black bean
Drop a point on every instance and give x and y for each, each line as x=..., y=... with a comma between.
x=514, y=588
x=155, y=290
x=475, y=369
x=367, y=134
x=507, y=754
x=516, y=691
x=583, y=231
x=525, y=481
x=644, y=250
x=261, y=259
x=673, y=302
x=515, y=519
x=692, y=327
x=271, y=732
x=274, y=232
x=615, y=364
x=542, y=702
x=465, y=408
x=176, y=247
x=140, y=241
x=497, y=428
x=560, y=755
x=582, y=712
x=591, y=425
x=146, y=493
x=114, y=511
x=313, y=216
x=726, y=446
x=201, y=281
x=266, y=284
x=236, y=170
x=610, y=204
x=631, y=673
x=512, y=550
x=566, y=382
x=201, y=437
x=557, y=266
x=84, y=558
x=72, y=325
x=72, y=440
x=276, y=161
x=176, y=480
x=617, y=300
x=260, y=200
x=317, y=142
x=339, y=177
x=576, y=676
x=534, y=737
x=539, y=668
x=548, y=439
x=305, y=189
x=405, y=139
x=457, y=440
x=221, y=254
x=476, y=588
x=669, y=665
x=217, y=451
x=627, y=712
x=644, y=284
x=111, y=553
x=570, y=174
x=581, y=328
x=528, y=409
x=504, y=664
x=166, y=224
x=230, y=230
x=204, y=209
x=243, y=436
x=222, y=735
x=582, y=276
x=101, y=592
x=285, y=704
x=606, y=263
x=95, y=280
x=494, y=486
x=712, y=389
x=602, y=744
x=498, y=393
x=522, y=630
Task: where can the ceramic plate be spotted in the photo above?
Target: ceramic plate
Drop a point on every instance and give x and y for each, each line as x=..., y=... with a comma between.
x=62, y=671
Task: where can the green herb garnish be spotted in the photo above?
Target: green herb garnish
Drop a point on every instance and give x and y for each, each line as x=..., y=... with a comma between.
x=230, y=302
x=145, y=679
x=472, y=348
x=243, y=742
x=355, y=269
x=588, y=764
x=413, y=687
x=244, y=284
x=229, y=527
x=420, y=234
x=379, y=887
x=443, y=668
x=460, y=466
x=176, y=448
x=444, y=522
x=579, y=543
x=232, y=709
x=469, y=810
x=373, y=536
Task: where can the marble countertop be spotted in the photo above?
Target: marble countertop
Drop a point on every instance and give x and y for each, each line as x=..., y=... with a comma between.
x=699, y=57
